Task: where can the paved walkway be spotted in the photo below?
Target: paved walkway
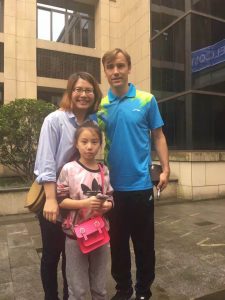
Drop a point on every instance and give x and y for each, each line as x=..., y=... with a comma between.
x=190, y=253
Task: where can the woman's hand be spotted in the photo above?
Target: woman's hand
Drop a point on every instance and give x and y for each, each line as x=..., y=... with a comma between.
x=51, y=207
x=51, y=210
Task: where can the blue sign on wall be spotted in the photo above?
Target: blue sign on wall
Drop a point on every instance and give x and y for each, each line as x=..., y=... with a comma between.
x=208, y=57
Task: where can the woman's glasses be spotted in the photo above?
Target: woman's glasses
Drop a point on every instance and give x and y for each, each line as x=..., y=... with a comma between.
x=80, y=91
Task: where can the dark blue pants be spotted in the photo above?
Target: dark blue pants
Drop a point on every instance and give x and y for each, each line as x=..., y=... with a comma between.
x=53, y=243
x=133, y=217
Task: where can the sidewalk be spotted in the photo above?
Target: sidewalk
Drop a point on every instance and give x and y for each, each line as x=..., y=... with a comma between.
x=190, y=253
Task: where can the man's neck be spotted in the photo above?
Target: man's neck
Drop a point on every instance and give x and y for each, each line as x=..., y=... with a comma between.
x=120, y=92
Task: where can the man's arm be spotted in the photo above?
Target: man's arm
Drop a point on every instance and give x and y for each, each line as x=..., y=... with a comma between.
x=160, y=143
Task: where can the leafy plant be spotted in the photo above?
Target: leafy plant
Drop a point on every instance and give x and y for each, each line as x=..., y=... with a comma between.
x=20, y=125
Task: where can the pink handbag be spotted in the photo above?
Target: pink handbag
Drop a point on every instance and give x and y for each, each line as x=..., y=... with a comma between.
x=91, y=234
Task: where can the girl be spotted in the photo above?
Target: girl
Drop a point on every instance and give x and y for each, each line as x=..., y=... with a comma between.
x=56, y=146
x=75, y=180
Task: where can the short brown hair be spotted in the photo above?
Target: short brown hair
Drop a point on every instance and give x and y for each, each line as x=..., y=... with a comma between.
x=111, y=55
x=66, y=99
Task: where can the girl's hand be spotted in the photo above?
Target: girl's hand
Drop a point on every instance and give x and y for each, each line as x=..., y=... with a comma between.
x=94, y=203
x=106, y=206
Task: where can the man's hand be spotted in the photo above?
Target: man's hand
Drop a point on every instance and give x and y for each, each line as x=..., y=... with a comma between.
x=163, y=181
x=162, y=152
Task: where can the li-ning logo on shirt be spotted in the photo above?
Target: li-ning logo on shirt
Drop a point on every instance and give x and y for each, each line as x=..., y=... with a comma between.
x=136, y=109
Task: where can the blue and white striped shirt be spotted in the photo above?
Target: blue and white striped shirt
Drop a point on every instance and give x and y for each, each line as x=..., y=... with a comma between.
x=56, y=144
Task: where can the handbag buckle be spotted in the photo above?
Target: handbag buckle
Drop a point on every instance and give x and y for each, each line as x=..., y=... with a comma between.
x=96, y=223
x=98, y=226
x=82, y=231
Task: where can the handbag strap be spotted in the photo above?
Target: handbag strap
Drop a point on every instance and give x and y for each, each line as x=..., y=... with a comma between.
x=102, y=176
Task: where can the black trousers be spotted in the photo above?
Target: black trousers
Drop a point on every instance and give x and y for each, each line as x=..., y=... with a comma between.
x=53, y=243
x=133, y=217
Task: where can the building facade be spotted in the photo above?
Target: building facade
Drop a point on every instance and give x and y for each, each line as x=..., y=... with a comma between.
x=188, y=79
x=42, y=42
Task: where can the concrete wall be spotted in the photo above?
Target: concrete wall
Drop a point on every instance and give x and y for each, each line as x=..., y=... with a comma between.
x=125, y=24
x=200, y=174
x=135, y=38
x=12, y=201
x=19, y=49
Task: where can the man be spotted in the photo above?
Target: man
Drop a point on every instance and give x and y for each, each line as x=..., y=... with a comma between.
x=128, y=117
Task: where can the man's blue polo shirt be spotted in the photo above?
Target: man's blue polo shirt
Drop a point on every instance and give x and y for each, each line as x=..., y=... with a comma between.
x=127, y=123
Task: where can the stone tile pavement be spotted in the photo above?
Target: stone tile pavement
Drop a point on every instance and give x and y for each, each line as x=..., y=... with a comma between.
x=190, y=253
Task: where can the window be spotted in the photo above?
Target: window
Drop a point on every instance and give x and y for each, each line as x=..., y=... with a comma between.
x=208, y=54
x=205, y=113
x=60, y=65
x=50, y=95
x=168, y=62
x=174, y=116
x=167, y=46
x=164, y=12
x=175, y=4
x=208, y=122
x=66, y=22
x=1, y=57
x=167, y=82
x=205, y=32
x=1, y=15
x=160, y=20
x=1, y=94
x=214, y=8
x=188, y=59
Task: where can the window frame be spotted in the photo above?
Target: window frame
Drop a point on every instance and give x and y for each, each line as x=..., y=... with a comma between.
x=79, y=17
x=1, y=15
x=1, y=93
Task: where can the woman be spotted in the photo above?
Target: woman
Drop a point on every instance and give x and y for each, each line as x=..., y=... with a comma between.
x=55, y=148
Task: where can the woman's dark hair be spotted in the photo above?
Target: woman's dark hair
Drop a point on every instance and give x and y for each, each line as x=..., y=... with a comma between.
x=66, y=102
x=86, y=125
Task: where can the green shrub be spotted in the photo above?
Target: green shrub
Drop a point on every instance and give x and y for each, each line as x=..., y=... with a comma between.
x=20, y=124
